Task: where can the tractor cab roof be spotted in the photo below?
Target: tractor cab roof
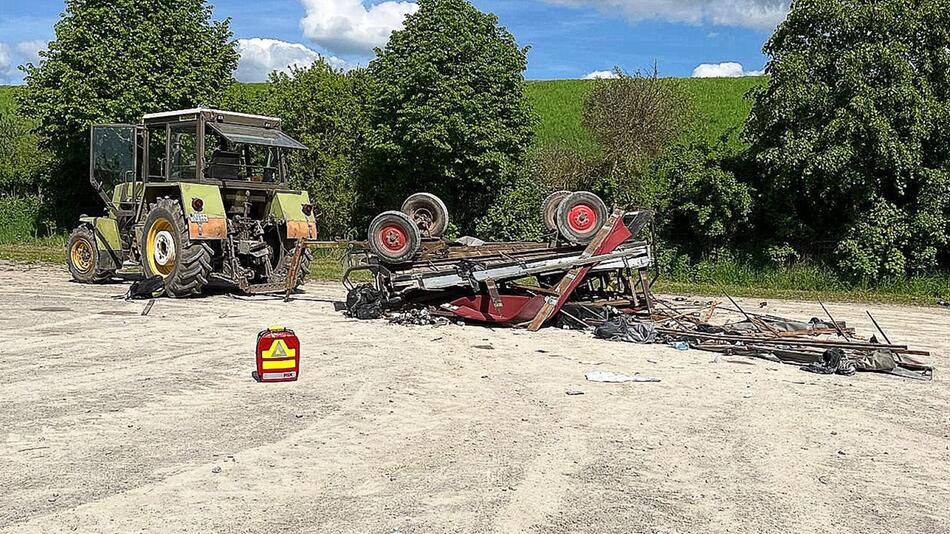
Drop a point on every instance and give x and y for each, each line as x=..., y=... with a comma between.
x=238, y=128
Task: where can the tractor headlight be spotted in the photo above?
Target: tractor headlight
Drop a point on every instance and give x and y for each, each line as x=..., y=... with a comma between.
x=198, y=204
x=307, y=209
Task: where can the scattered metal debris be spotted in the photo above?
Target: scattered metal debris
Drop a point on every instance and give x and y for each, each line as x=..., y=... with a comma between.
x=778, y=339
x=417, y=317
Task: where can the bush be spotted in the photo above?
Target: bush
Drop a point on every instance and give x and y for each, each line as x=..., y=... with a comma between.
x=20, y=218
x=703, y=204
x=873, y=248
x=516, y=215
x=637, y=117
x=21, y=159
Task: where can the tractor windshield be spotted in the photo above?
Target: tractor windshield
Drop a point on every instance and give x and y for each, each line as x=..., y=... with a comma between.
x=248, y=153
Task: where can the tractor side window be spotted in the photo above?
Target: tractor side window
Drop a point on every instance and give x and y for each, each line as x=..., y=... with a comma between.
x=156, y=153
x=113, y=149
x=184, y=145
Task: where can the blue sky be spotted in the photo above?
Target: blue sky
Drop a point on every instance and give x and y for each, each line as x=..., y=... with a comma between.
x=568, y=38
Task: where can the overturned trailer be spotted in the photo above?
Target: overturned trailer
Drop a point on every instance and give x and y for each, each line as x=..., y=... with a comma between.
x=594, y=262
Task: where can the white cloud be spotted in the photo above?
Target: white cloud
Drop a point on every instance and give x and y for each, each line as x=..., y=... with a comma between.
x=13, y=56
x=757, y=14
x=30, y=50
x=260, y=57
x=348, y=27
x=723, y=70
x=5, y=68
x=601, y=75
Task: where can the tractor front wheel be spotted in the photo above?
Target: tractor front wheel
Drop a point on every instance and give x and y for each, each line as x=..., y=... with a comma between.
x=168, y=251
x=82, y=257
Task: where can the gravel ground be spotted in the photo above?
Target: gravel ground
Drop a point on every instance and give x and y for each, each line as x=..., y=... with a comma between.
x=111, y=421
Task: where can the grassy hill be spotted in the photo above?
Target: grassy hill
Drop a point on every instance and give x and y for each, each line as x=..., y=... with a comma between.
x=6, y=95
x=720, y=104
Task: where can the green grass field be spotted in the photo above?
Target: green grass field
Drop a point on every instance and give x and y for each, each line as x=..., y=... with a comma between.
x=720, y=105
x=7, y=94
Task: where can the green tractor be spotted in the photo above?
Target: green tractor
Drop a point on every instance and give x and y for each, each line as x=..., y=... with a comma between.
x=197, y=197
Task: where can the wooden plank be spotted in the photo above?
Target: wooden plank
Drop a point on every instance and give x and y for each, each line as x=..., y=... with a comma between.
x=553, y=302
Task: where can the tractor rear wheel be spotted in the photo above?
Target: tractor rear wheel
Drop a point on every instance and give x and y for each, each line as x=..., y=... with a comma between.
x=82, y=257
x=580, y=216
x=394, y=237
x=168, y=251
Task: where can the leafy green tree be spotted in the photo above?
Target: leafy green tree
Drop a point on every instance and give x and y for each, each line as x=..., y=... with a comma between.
x=112, y=61
x=321, y=107
x=447, y=111
x=851, y=135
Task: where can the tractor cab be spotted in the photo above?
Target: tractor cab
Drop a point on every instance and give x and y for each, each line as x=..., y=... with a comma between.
x=194, y=146
x=190, y=181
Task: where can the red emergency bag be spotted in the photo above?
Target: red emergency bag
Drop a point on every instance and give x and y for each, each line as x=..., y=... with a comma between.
x=278, y=355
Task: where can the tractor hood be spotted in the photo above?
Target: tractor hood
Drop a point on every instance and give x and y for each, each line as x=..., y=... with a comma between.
x=255, y=135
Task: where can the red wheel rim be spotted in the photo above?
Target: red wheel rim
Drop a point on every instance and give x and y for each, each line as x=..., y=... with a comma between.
x=393, y=238
x=582, y=218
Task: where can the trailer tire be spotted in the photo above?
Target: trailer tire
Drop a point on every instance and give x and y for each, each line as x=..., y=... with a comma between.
x=168, y=251
x=580, y=216
x=82, y=257
x=549, y=209
x=429, y=214
x=394, y=237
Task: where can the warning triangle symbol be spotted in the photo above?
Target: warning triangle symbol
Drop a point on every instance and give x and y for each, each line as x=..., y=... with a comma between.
x=279, y=351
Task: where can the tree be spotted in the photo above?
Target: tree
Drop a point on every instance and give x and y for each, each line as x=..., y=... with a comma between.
x=851, y=135
x=321, y=107
x=113, y=61
x=447, y=111
x=635, y=118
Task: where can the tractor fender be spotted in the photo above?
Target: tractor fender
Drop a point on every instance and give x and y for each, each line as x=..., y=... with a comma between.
x=202, y=205
x=108, y=242
x=289, y=207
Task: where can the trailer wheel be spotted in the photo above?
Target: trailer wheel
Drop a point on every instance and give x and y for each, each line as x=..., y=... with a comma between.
x=394, y=237
x=82, y=257
x=428, y=212
x=580, y=216
x=549, y=209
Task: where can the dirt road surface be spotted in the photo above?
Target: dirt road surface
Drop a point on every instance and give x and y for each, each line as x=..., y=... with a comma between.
x=115, y=422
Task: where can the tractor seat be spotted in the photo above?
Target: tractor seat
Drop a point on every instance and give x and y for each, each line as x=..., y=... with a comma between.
x=225, y=165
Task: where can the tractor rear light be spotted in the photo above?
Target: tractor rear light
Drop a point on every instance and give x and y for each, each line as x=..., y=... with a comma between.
x=307, y=209
x=198, y=204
